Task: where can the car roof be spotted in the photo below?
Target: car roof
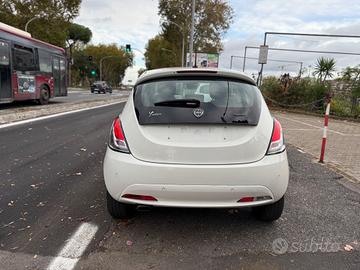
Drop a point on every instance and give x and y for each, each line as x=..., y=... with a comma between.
x=178, y=72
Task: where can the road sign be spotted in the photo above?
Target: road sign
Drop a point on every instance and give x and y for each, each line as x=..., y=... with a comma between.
x=263, y=54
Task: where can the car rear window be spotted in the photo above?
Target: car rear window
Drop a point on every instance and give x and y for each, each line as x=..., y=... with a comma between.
x=218, y=101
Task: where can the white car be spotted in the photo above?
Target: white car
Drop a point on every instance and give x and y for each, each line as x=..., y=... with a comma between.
x=171, y=147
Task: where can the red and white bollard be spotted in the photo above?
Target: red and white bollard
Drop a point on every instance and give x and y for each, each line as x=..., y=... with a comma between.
x=326, y=123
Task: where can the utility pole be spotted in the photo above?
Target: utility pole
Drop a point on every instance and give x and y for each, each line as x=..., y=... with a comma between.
x=192, y=32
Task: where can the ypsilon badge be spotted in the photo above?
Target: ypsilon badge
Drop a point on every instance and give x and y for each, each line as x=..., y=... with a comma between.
x=198, y=112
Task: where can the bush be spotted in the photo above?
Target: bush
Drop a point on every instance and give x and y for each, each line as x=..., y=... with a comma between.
x=340, y=106
x=303, y=91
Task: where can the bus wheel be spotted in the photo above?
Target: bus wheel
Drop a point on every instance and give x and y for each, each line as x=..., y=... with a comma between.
x=44, y=95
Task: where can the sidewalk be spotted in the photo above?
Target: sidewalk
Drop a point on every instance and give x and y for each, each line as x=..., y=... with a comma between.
x=75, y=100
x=343, y=143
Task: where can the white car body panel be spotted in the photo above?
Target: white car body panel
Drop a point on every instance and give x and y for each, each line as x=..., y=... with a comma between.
x=196, y=185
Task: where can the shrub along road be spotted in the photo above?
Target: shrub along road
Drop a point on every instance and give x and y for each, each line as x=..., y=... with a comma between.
x=51, y=185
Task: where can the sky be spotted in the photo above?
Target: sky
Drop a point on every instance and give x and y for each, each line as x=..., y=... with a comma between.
x=135, y=22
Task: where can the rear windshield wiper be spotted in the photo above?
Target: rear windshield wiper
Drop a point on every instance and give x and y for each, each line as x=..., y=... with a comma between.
x=186, y=103
x=244, y=122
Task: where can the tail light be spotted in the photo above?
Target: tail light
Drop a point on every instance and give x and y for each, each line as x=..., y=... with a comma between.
x=117, y=139
x=277, y=140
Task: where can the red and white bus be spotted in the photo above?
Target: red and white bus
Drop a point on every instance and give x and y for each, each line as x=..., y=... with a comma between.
x=30, y=69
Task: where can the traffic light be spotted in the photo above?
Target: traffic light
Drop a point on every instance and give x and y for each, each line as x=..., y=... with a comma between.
x=90, y=58
x=93, y=72
x=128, y=48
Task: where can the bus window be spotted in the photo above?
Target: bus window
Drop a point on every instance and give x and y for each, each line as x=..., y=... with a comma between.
x=4, y=53
x=45, y=62
x=56, y=64
x=24, y=59
x=62, y=64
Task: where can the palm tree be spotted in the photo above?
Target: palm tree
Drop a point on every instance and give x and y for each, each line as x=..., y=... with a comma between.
x=324, y=68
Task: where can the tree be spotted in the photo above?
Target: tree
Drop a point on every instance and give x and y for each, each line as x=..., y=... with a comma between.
x=76, y=34
x=160, y=53
x=212, y=20
x=53, y=17
x=113, y=67
x=324, y=68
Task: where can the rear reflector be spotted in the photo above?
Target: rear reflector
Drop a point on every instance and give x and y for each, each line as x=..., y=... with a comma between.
x=139, y=197
x=246, y=199
x=254, y=199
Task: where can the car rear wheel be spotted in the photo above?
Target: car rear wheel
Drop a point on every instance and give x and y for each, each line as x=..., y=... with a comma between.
x=118, y=209
x=270, y=212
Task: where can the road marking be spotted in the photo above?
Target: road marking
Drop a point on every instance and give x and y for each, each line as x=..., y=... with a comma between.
x=75, y=247
x=55, y=115
x=317, y=127
x=299, y=129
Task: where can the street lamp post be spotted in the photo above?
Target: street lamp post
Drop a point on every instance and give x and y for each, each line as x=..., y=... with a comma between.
x=29, y=21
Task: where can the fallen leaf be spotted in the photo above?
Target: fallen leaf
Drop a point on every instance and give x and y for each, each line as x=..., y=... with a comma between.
x=348, y=248
x=78, y=173
x=40, y=204
x=129, y=243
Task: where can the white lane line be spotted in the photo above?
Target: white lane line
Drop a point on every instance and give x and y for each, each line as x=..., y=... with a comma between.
x=75, y=247
x=55, y=115
x=299, y=129
x=317, y=127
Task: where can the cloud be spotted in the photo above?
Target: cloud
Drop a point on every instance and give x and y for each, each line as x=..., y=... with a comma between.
x=120, y=21
x=135, y=22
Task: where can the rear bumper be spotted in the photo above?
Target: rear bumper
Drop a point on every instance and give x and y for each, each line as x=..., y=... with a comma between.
x=180, y=185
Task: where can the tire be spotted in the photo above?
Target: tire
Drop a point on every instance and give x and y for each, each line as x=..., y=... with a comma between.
x=119, y=210
x=270, y=212
x=44, y=95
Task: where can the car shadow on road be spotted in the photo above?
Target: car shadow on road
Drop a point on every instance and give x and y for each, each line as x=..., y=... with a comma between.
x=183, y=231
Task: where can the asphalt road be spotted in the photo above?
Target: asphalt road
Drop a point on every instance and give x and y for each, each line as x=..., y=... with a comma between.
x=51, y=183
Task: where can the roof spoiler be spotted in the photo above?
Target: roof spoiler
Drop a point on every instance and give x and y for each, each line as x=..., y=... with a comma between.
x=196, y=71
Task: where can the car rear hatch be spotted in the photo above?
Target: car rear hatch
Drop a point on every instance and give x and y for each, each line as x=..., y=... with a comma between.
x=171, y=121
